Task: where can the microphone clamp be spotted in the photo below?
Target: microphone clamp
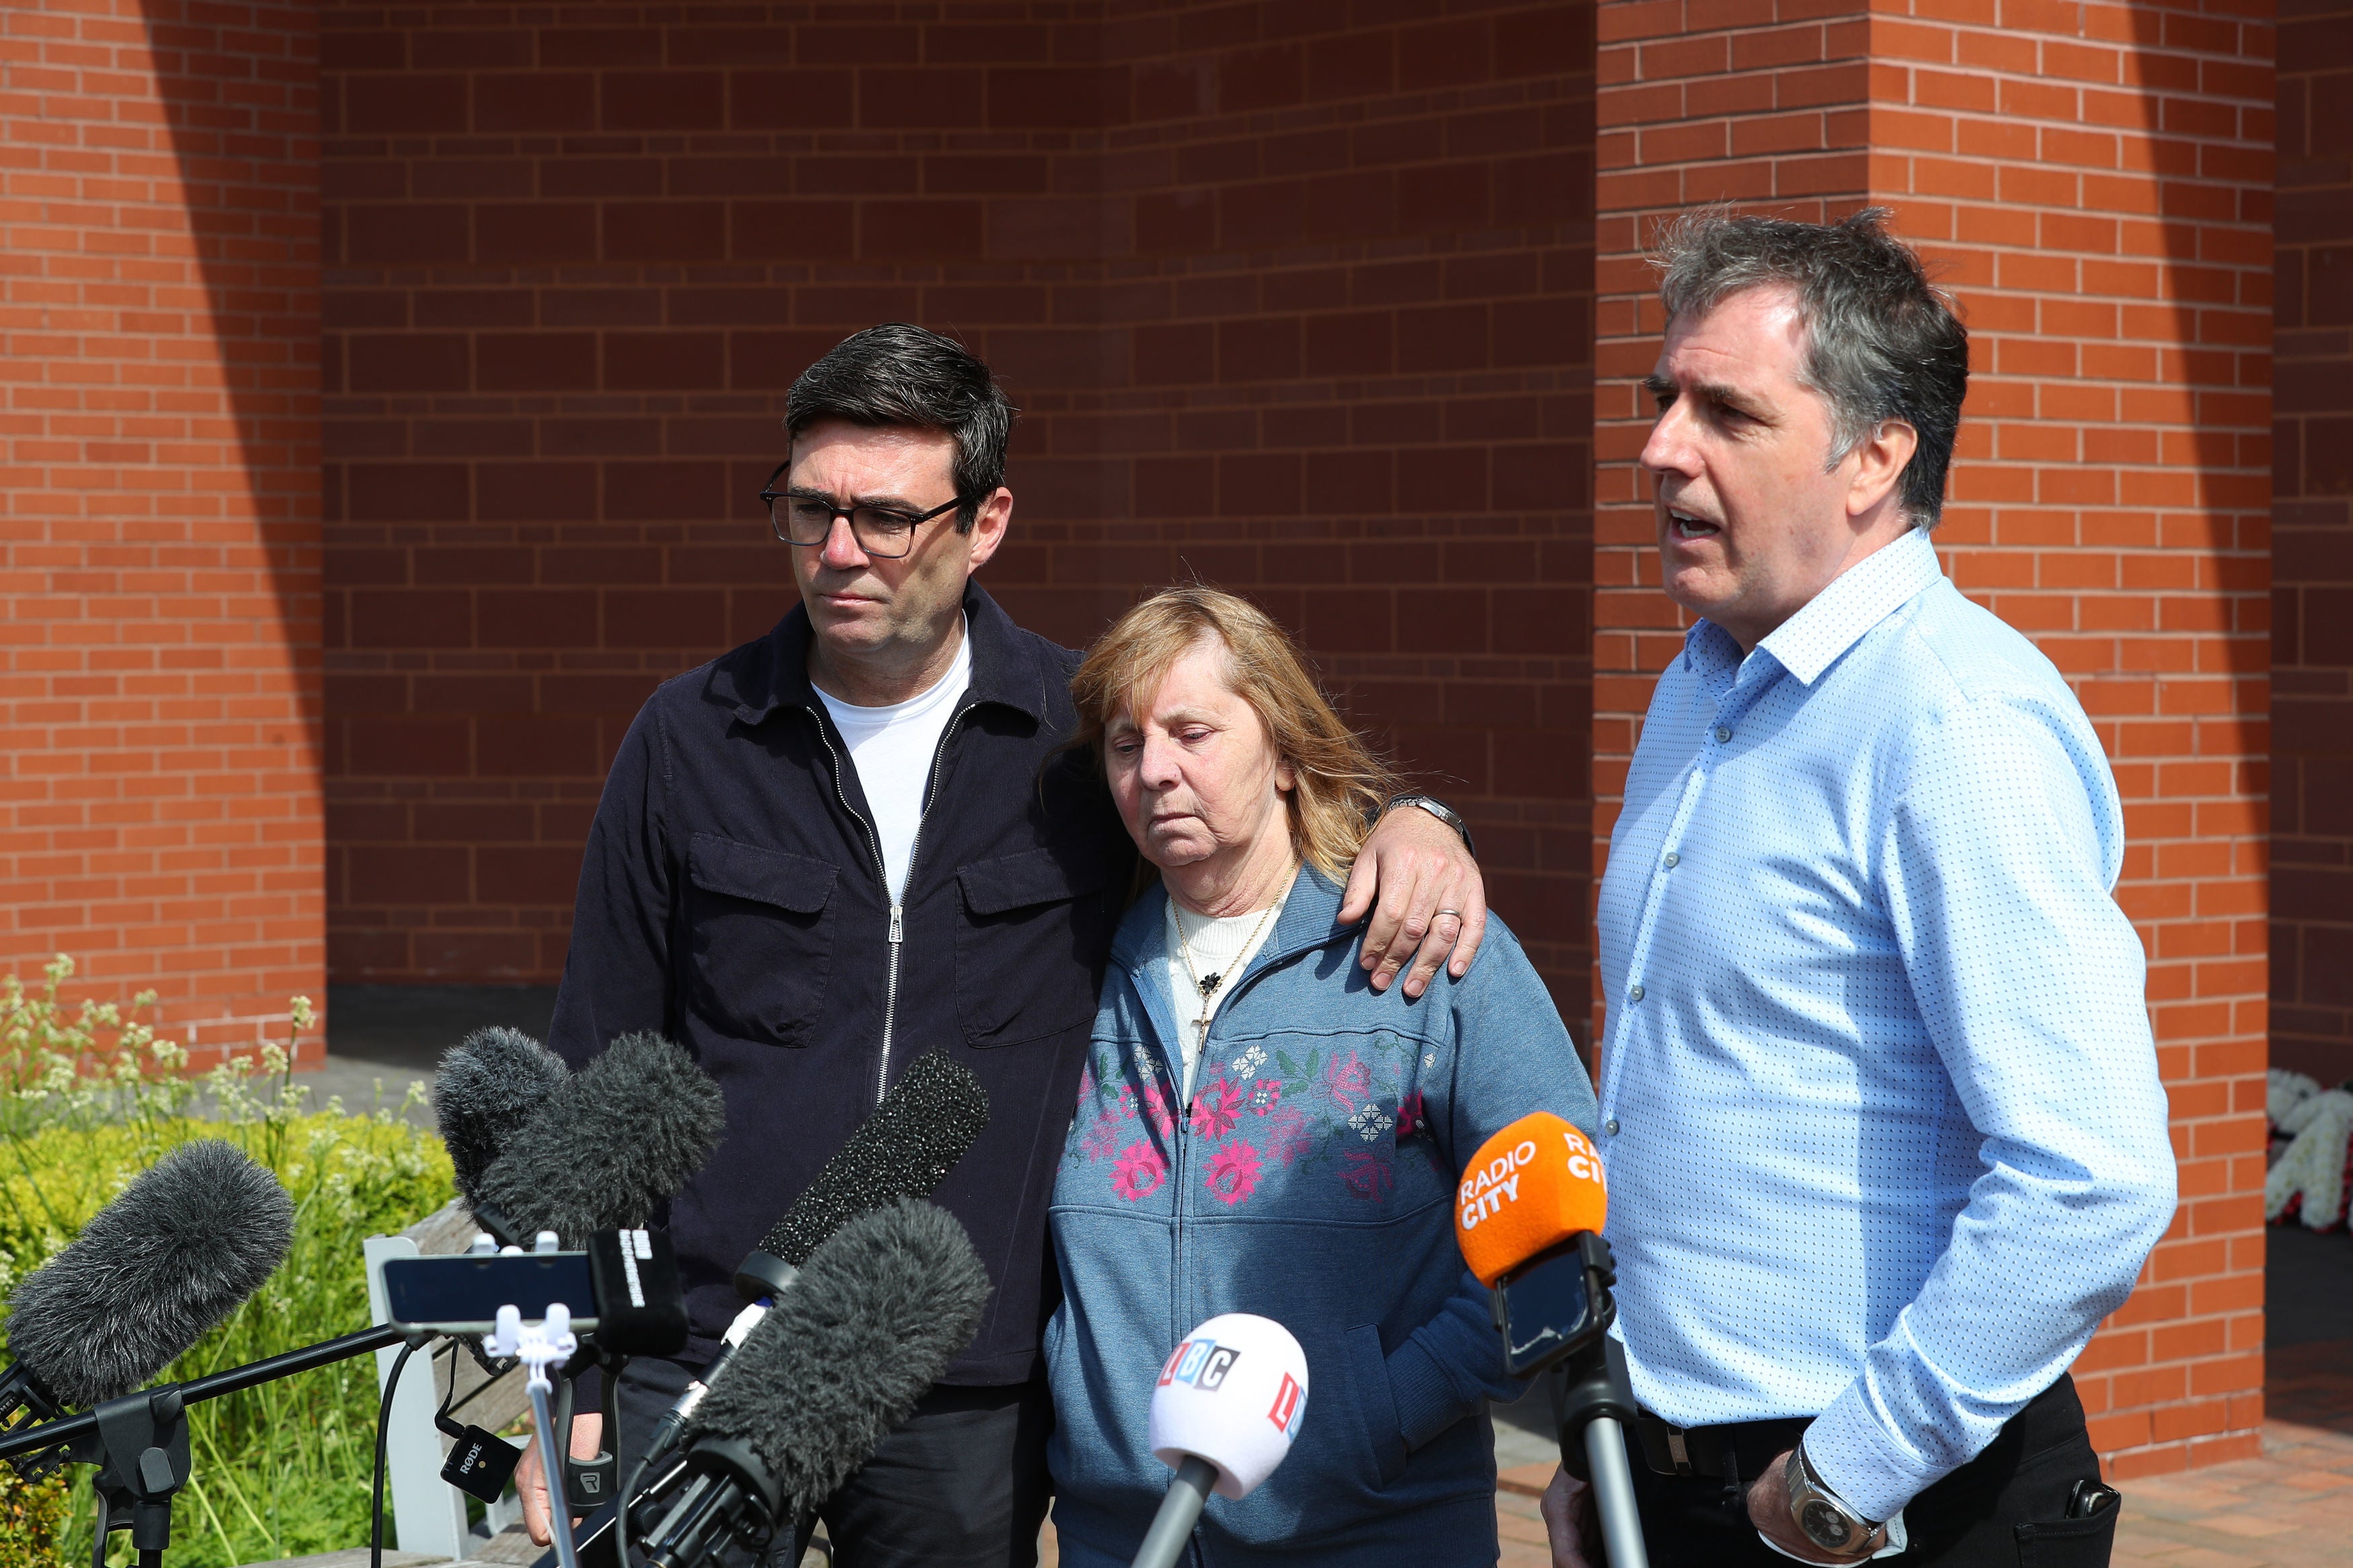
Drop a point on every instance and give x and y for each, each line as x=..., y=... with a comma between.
x=1555, y=1303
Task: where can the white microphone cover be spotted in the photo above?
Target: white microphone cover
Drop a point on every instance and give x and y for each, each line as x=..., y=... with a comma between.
x=1232, y=1394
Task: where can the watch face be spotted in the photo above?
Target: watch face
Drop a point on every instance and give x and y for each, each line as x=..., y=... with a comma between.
x=1824, y=1525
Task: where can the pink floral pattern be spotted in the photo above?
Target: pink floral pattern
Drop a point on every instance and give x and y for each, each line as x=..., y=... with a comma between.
x=1139, y=1172
x=1100, y=1137
x=1348, y=1080
x=1151, y=1104
x=1410, y=1116
x=1233, y=1173
x=1288, y=1136
x=1346, y=1114
x=1214, y=1109
x=1367, y=1174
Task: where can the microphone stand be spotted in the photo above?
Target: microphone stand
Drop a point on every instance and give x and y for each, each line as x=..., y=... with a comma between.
x=1591, y=1403
x=139, y=1442
x=74, y=1428
x=1555, y=1312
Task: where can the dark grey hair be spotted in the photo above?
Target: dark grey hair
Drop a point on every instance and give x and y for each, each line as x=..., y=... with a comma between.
x=1882, y=342
x=901, y=374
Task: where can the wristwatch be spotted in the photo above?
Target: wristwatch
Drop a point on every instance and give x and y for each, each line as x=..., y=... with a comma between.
x=1823, y=1517
x=1437, y=809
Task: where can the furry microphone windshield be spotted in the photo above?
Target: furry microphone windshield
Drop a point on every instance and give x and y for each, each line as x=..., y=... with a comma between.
x=189, y=1239
x=931, y=1116
x=491, y=1086
x=617, y=1138
x=880, y=1310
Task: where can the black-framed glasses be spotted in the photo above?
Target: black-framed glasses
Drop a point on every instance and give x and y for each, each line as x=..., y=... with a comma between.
x=805, y=517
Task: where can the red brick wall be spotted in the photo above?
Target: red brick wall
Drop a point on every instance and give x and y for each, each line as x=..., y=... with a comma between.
x=1296, y=307
x=2095, y=179
x=160, y=814
x=2312, y=549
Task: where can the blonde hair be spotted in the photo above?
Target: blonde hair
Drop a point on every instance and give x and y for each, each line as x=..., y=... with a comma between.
x=1340, y=784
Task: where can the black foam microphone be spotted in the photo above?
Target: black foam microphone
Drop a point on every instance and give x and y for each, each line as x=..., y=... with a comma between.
x=881, y=1309
x=491, y=1086
x=932, y=1115
x=615, y=1139
x=179, y=1250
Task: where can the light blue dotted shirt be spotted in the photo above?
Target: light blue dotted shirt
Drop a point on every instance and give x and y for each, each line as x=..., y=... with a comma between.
x=1885, y=1133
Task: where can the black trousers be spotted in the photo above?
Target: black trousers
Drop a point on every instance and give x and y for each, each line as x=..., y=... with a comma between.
x=961, y=1483
x=2005, y=1509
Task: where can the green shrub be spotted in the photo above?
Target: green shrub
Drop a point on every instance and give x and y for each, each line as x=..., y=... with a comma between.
x=33, y=1519
x=280, y=1470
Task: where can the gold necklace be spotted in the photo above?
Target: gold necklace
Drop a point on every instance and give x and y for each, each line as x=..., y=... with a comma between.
x=1209, y=987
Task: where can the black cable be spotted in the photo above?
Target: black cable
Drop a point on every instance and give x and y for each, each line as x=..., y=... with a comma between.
x=611, y=1405
x=626, y=1495
x=383, y=1426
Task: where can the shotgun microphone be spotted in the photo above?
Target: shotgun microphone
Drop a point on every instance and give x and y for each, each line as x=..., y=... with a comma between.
x=935, y=1113
x=181, y=1248
x=882, y=1307
x=491, y=1085
x=612, y=1141
x=932, y=1115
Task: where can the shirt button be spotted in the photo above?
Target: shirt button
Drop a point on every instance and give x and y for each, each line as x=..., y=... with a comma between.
x=1633, y=994
x=1673, y=860
x=1610, y=1127
x=1723, y=732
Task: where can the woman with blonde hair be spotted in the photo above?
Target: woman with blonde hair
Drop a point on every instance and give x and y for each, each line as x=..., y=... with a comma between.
x=1261, y=1132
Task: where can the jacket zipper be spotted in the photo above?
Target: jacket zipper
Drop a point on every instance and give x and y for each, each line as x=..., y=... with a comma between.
x=881, y=875
x=898, y=932
x=898, y=921
x=1181, y=1142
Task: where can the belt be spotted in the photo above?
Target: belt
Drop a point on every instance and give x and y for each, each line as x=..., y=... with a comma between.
x=1735, y=1453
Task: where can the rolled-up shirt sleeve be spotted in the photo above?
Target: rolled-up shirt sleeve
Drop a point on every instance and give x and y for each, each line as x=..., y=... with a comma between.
x=2001, y=846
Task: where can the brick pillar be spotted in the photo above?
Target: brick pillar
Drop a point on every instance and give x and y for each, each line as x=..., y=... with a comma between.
x=2312, y=637
x=2094, y=180
x=159, y=592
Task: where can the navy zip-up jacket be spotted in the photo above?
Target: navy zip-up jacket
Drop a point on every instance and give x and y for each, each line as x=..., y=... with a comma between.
x=731, y=898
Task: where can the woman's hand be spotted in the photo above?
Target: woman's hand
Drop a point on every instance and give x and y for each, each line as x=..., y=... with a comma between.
x=1432, y=899
x=531, y=1484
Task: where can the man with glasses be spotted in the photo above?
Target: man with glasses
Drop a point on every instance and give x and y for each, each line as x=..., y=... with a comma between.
x=861, y=838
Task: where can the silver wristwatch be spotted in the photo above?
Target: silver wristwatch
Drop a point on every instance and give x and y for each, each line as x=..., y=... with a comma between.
x=1437, y=809
x=1823, y=1517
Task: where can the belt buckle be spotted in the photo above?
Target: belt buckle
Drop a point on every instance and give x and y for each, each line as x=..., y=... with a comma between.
x=1681, y=1453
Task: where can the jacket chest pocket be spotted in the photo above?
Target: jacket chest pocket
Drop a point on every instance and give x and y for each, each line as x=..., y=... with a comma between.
x=1029, y=950
x=762, y=946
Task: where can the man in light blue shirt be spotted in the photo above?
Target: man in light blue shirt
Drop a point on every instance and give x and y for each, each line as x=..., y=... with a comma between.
x=1884, y=1132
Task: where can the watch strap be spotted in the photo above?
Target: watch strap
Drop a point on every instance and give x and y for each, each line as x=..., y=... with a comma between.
x=1437, y=809
x=1824, y=1518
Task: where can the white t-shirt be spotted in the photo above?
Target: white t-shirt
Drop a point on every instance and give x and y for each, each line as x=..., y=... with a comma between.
x=1222, y=946
x=892, y=748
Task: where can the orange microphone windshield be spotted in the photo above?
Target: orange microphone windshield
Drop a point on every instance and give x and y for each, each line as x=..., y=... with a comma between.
x=1529, y=1188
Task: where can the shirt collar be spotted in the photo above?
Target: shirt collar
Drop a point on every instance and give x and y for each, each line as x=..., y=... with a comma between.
x=1857, y=599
